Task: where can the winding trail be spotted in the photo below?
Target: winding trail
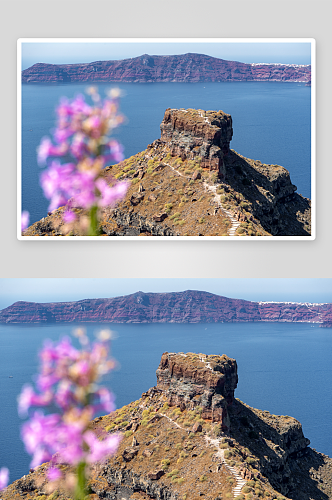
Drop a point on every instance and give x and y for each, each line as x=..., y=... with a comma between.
x=213, y=189
x=235, y=224
x=240, y=482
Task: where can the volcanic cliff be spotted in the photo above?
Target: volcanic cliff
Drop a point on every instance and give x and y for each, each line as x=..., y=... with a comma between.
x=190, y=183
x=189, y=438
x=175, y=307
x=177, y=68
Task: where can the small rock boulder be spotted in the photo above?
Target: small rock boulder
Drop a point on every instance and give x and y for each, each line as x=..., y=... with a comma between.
x=147, y=453
x=196, y=175
x=159, y=217
x=156, y=474
x=196, y=427
x=154, y=419
x=159, y=167
x=136, y=198
x=129, y=453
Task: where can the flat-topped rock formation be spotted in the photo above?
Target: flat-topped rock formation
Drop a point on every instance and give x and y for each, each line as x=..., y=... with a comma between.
x=191, y=306
x=180, y=442
x=198, y=135
x=172, y=68
x=191, y=380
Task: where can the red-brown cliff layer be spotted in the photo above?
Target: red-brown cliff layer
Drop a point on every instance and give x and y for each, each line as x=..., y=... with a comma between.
x=197, y=134
x=177, y=307
x=177, y=68
x=192, y=380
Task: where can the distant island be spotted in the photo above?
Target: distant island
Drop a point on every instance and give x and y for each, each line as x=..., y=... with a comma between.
x=190, y=306
x=172, y=68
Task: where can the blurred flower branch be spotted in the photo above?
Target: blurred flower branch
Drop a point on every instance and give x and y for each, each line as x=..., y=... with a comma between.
x=82, y=140
x=68, y=380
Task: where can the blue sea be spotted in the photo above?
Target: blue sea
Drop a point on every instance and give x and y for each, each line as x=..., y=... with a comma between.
x=271, y=123
x=284, y=368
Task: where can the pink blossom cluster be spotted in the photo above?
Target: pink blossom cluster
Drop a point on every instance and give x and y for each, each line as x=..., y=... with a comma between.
x=25, y=217
x=68, y=380
x=4, y=476
x=82, y=139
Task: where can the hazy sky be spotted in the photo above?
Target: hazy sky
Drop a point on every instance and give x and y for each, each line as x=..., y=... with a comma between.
x=249, y=52
x=67, y=289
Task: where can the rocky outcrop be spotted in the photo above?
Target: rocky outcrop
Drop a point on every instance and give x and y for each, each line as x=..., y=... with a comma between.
x=192, y=380
x=198, y=135
x=190, y=306
x=177, y=68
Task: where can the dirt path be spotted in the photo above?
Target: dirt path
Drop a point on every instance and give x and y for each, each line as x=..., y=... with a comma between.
x=213, y=189
x=240, y=482
x=235, y=224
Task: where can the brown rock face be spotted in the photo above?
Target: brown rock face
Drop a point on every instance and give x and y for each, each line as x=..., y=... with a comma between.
x=198, y=135
x=190, y=380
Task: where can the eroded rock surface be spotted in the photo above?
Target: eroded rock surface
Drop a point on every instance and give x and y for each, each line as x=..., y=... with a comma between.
x=198, y=134
x=190, y=380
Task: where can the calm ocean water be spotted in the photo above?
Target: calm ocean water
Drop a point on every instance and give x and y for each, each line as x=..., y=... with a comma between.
x=283, y=368
x=271, y=122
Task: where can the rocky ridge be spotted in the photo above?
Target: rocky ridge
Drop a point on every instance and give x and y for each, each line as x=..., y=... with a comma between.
x=190, y=183
x=190, y=306
x=177, y=68
x=173, y=448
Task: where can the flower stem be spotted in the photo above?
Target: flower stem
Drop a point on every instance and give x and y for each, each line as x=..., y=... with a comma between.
x=94, y=226
x=81, y=491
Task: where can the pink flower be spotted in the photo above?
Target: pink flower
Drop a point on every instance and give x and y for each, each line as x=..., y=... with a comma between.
x=38, y=435
x=47, y=149
x=29, y=398
x=78, y=147
x=68, y=379
x=53, y=474
x=64, y=395
x=4, y=477
x=100, y=450
x=25, y=217
x=64, y=110
x=106, y=400
x=79, y=105
x=62, y=134
x=116, y=151
x=82, y=132
x=57, y=183
x=110, y=195
x=83, y=190
x=43, y=150
x=69, y=216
